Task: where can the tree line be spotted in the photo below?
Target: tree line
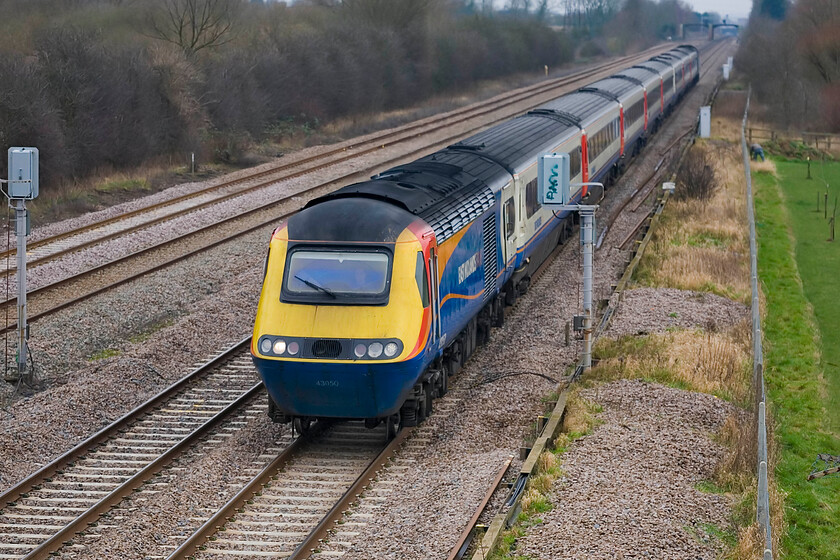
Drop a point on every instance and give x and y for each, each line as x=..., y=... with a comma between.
x=791, y=55
x=115, y=83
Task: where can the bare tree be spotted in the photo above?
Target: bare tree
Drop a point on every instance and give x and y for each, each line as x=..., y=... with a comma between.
x=194, y=25
x=397, y=14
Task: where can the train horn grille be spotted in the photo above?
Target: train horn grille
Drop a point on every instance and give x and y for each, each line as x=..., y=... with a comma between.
x=326, y=348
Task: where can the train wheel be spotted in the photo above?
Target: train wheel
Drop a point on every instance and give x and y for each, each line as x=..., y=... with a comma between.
x=429, y=392
x=410, y=413
x=499, y=316
x=302, y=425
x=392, y=424
x=443, y=388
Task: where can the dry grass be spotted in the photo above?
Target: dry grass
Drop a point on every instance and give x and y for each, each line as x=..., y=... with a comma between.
x=709, y=362
x=705, y=247
x=737, y=469
x=701, y=245
x=765, y=166
x=547, y=462
x=729, y=105
x=578, y=418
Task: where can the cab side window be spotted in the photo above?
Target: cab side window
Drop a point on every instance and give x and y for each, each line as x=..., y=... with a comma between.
x=422, y=279
x=510, y=218
x=531, y=202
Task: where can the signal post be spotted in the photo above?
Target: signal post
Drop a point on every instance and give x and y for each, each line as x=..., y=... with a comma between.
x=22, y=185
x=555, y=191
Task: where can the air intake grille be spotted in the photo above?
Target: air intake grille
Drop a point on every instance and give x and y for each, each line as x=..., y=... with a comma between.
x=490, y=263
x=326, y=348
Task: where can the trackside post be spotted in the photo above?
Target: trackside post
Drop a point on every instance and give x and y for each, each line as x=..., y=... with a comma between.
x=553, y=183
x=22, y=185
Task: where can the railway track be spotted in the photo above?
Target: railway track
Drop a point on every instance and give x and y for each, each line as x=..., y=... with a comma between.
x=77, y=287
x=287, y=508
x=51, y=506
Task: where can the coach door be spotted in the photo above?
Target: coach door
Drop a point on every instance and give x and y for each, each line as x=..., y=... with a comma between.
x=509, y=223
x=433, y=274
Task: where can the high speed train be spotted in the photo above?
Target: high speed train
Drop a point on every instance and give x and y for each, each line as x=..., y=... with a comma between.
x=375, y=294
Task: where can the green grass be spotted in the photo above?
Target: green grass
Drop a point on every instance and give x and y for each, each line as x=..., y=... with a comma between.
x=818, y=260
x=105, y=353
x=800, y=398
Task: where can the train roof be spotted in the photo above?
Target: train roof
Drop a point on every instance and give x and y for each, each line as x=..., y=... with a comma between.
x=349, y=219
x=444, y=194
x=586, y=106
x=513, y=144
x=645, y=75
x=615, y=86
x=689, y=49
x=658, y=66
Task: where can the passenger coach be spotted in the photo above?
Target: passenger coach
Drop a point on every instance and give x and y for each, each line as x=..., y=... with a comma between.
x=375, y=294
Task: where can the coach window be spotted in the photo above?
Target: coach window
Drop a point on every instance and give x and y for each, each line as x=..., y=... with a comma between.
x=422, y=279
x=574, y=163
x=510, y=218
x=531, y=203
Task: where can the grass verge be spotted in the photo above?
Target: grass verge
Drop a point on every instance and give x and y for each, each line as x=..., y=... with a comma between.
x=794, y=377
x=700, y=244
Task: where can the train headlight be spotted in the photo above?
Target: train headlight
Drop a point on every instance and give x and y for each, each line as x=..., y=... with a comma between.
x=293, y=348
x=375, y=349
x=360, y=350
x=265, y=345
x=391, y=349
x=279, y=346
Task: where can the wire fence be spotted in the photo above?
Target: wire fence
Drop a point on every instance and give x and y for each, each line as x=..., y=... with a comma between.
x=763, y=494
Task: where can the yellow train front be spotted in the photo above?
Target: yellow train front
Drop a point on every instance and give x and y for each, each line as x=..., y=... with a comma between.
x=349, y=323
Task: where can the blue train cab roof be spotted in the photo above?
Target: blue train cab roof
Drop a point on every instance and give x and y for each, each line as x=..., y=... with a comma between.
x=444, y=195
x=349, y=219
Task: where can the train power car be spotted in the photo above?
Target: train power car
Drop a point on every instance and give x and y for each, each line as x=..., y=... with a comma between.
x=375, y=294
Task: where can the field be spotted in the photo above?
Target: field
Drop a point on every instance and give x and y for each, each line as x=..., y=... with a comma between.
x=798, y=268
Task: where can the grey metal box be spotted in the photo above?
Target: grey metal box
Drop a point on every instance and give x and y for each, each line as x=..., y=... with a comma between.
x=23, y=173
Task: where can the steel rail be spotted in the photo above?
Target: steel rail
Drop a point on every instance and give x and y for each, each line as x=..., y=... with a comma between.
x=89, y=448
x=125, y=489
x=471, y=112
x=112, y=429
x=235, y=505
x=329, y=521
x=467, y=534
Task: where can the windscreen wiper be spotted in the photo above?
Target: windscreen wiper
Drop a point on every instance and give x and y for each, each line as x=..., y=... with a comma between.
x=315, y=286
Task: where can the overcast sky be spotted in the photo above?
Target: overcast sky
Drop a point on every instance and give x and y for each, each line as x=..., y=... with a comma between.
x=735, y=9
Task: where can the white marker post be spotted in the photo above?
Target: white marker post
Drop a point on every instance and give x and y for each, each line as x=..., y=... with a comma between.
x=22, y=186
x=555, y=190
